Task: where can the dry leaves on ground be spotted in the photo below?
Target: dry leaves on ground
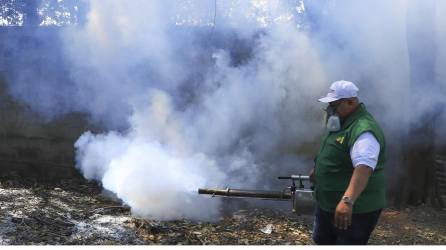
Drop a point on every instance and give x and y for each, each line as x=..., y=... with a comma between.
x=76, y=212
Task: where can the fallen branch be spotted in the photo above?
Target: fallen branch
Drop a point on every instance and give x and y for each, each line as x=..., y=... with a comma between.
x=57, y=223
x=110, y=207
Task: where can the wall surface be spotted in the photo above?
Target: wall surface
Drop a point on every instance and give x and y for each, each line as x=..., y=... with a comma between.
x=33, y=146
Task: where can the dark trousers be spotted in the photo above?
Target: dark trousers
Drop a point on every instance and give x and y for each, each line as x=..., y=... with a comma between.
x=325, y=233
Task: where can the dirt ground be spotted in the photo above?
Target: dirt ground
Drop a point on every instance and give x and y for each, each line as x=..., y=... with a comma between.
x=76, y=212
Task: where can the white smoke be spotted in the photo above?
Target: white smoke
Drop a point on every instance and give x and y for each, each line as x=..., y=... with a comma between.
x=241, y=116
x=195, y=96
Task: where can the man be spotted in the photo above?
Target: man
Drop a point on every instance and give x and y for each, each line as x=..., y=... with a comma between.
x=348, y=173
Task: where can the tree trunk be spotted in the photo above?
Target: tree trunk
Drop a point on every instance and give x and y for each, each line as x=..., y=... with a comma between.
x=31, y=17
x=418, y=186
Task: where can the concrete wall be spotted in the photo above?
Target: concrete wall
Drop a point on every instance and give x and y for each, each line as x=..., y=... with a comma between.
x=33, y=148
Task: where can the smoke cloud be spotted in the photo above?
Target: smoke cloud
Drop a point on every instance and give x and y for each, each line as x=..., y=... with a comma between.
x=196, y=98
x=228, y=133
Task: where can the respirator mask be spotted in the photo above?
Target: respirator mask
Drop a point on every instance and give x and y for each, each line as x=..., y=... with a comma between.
x=332, y=120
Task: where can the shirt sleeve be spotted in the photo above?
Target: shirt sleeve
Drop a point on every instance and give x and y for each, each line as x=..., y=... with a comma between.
x=365, y=150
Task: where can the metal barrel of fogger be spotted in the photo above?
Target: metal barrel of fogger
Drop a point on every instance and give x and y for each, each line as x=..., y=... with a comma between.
x=247, y=193
x=295, y=177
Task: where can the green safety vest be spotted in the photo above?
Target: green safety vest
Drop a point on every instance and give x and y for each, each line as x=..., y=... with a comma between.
x=334, y=168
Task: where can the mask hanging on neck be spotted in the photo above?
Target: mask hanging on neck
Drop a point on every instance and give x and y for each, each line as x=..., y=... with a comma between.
x=333, y=122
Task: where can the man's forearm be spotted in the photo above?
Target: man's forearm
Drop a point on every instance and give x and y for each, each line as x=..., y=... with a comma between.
x=358, y=182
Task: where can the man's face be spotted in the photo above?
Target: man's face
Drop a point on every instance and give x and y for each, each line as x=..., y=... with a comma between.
x=341, y=107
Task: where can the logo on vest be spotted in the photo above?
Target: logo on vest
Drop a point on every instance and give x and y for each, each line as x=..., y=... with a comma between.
x=340, y=139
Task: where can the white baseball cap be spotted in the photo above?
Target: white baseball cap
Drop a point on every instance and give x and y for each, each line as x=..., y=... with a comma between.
x=340, y=89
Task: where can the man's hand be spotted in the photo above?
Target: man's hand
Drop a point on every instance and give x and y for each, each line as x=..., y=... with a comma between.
x=359, y=180
x=312, y=177
x=343, y=215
